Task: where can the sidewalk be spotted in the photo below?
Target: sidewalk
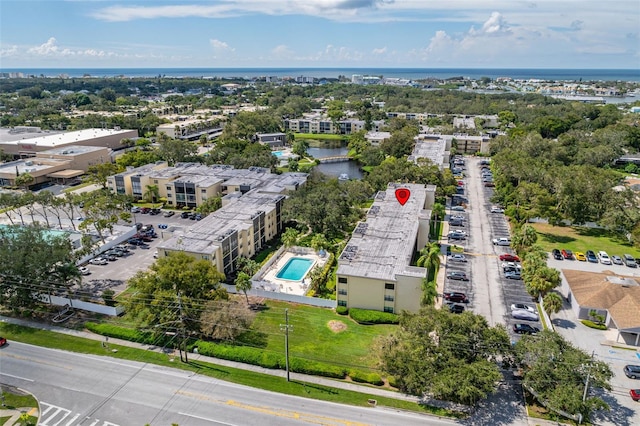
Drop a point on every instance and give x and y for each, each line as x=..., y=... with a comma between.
x=198, y=357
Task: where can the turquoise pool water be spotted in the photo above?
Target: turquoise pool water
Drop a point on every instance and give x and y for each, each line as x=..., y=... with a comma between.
x=278, y=153
x=295, y=269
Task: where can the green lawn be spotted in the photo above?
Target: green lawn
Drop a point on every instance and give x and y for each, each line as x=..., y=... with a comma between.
x=312, y=338
x=249, y=378
x=582, y=239
x=319, y=136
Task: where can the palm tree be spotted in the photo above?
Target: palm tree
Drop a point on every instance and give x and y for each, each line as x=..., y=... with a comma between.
x=429, y=292
x=319, y=242
x=552, y=303
x=246, y=265
x=152, y=193
x=430, y=259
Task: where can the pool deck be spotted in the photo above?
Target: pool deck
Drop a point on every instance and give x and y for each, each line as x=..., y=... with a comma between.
x=286, y=286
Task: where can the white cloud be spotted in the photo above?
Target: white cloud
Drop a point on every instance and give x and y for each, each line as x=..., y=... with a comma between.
x=9, y=51
x=220, y=46
x=494, y=26
x=379, y=51
x=282, y=51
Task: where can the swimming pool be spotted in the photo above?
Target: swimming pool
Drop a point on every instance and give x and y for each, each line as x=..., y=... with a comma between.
x=278, y=153
x=295, y=269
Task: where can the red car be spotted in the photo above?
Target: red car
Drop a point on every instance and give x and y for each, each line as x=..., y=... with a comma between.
x=635, y=394
x=3, y=341
x=509, y=258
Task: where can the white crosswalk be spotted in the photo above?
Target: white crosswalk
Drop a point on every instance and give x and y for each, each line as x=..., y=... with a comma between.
x=52, y=415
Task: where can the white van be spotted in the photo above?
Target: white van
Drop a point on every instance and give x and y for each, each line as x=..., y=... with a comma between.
x=604, y=258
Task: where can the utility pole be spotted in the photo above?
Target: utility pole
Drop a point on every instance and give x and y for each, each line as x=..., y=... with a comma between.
x=286, y=328
x=182, y=334
x=586, y=383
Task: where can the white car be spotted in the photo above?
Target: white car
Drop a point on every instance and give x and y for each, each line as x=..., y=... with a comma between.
x=523, y=307
x=84, y=270
x=98, y=261
x=457, y=209
x=457, y=258
x=135, y=209
x=496, y=209
x=522, y=314
x=510, y=265
x=604, y=258
x=503, y=241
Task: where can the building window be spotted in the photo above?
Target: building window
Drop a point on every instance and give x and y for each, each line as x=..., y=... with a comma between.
x=389, y=286
x=204, y=191
x=344, y=292
x=155, y=181
x=342, y=280
x=388, y=309
x=344, y=303
x=388, y=298
x=169, y=195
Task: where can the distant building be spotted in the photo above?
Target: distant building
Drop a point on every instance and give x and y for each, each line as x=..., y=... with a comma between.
x=193, y=129
x=274, y=140
x=376, y=138
x=374, y=269
x=438, y=151
x=25, y=144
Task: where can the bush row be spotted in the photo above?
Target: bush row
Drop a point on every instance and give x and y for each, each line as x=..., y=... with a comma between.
x=362, y=377
x=595, y=325
x=266, y=359
x=342, y=310
x=123, y=333
x=366, y=316
x=322, y=279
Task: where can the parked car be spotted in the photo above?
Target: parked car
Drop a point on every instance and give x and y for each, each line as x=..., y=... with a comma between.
x=184, y=215
x=580, y=256
x=629, y=261
x=84, y=270
x=502, y=241
x=567, y=254
x=556, y=254
x=512, y=265
x=169, y=213
x=456, y=236
x=522, y=306
x=3, y=341
x=457, y=209
x=145, y=210
x=135, y=242
x=489, y=184
x=521, y=314
x=98, y=261
x=456, y=222
x=635, y=393
x=457, y=275
x=111, y=257
x=509, y=257
x=163, y=226
x=591, y=257
x=513, y=275
x=496, y=209
x=456, y=297
x=457, y=258
x=456, y=309
x=521, y=328
x=632, y=371
x=135, y=209
x=457, y=217
x=604, y=258
x=617, y=260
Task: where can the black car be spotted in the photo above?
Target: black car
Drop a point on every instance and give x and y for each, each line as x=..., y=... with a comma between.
x=525, y=329
x=457, y=275
x=591, y=256
x=184, y=215
x=135, y=242
x=557, y=254
x=456, y=309
x=632, y=371
x=456, y=297
x=169, y=213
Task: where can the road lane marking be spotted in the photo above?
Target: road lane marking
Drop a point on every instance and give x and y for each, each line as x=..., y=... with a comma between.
x=206, y=419
x=16, y=377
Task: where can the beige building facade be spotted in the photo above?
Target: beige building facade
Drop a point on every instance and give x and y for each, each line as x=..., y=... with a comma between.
x=374, y=269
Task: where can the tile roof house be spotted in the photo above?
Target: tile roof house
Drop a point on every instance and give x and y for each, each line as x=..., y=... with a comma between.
x=616, y=297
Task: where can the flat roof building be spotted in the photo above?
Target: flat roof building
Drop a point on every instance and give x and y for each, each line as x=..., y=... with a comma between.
x=374, y=269
x=438, y=151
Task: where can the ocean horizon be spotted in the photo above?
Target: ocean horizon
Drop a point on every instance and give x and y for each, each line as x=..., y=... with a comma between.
x=632, y=75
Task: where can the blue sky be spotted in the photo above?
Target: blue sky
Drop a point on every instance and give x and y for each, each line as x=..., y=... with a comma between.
x=320, y=33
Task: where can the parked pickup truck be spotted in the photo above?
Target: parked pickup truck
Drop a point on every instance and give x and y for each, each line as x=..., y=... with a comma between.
x=502, y=241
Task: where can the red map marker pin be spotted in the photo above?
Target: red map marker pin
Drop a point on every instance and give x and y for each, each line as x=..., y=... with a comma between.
x=402, y=195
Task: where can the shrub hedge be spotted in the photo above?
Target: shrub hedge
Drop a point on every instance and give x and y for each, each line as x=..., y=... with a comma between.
x=342, y=310
x=362, y=377
x=595, y=325
x=124, y=333
x=366, y=316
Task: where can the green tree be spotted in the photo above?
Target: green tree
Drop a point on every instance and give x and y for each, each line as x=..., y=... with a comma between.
x=552, y=303
x=289, y=237
x=293, y=164
x=246, y=265
x=210, y=205
x=33, y=262
x=176, y=151
x=300, y=147
x=99, y=173
x=429, y=257
x=24, y=180
x=136, y=158
x=243, y=284
x=319, y=242
x=429, y=292
x=175, y=280
x=452, y=357
x=226, y=320
x=151, y=193
x=556, y=370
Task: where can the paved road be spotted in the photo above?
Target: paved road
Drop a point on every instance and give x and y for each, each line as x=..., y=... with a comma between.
x=76, y=389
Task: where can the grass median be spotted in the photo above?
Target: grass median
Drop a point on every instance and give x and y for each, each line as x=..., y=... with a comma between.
x=249, y=378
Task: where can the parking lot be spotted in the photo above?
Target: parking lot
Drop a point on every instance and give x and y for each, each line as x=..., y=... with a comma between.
x=114, y=274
